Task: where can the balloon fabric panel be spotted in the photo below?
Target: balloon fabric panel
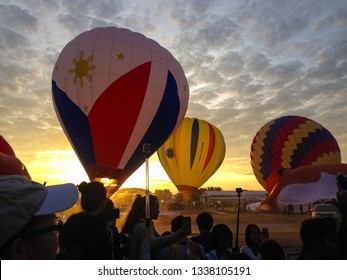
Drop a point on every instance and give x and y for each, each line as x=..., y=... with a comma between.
x=290, y=142
x=75, y=124
x=194, y=142
x=162, y=124
x=108, y=117
x=211, y=145
x=9, y=163
x=113, y=91
x=303, y=185
x=192, y=154
x=213, y=161
x=5, y=147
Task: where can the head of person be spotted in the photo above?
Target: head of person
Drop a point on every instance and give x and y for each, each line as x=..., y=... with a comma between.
x=84, y=237
x=93, y=197
x=177, y=223
x=109, y=204
x=110, y=213
x=252, y=235
x=204, y=221
x=270, y=249
x=154, y=207
x=138, y=211
x=28, y=228
x=319, y=241
x=221, y=237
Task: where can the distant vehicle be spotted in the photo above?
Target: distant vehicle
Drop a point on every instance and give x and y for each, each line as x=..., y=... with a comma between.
x=175, y=206
x=325, y=210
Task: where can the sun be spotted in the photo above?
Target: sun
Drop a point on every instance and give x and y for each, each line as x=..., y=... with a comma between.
x=82, y=69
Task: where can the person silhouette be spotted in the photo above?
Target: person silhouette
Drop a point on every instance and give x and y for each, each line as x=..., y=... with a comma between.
x=319, y=241
x=205, y=224
x=252, y=238
x=28, y=225
x=136, y=229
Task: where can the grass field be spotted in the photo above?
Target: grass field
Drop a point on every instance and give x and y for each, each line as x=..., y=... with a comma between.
x=282, y=227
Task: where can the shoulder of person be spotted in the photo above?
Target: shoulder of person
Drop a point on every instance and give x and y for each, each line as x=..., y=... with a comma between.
x=212, y=255
x=244, y=248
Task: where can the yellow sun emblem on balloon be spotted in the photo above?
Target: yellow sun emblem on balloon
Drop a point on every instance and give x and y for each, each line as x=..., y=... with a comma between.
x=82, y=69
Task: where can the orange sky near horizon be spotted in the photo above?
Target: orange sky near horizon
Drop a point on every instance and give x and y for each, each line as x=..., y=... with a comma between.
x=57, y=167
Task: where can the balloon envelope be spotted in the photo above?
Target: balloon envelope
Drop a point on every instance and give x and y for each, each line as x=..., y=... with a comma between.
x=291, y=142
x=304, y=185
x=113, y=91
x=5, y=147
x=9, y=163
x=192, y=154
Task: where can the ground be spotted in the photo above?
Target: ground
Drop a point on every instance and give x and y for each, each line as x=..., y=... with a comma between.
x=282, y=227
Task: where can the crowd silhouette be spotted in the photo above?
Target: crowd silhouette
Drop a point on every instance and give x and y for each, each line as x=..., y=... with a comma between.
x=30, y=229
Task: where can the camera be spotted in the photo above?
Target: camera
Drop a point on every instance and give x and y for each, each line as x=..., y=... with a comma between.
x=188, y=221
x=239, y=190
x=146, y=148
x=265, y=233
x=110, y=214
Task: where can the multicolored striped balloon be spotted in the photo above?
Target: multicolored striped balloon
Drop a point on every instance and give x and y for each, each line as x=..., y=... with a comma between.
x=192, y=154
x=290, y=142
x=113, y=91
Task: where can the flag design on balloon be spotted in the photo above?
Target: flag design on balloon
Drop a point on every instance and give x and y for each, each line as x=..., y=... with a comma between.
x=291, y=142
x=192, y=154
x=114, y=90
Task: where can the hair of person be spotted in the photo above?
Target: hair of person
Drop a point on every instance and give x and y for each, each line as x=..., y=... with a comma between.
x=219, y=230
x=84, y=237
x=205, y=221
x=109, y=204
x=137, y=212
x=317, y=228
x=270, y=249
x=93, y=194
x=177, y=223
x=248, y=239
x=167, y=232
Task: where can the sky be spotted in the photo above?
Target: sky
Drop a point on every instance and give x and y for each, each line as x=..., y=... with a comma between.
x=247, y=62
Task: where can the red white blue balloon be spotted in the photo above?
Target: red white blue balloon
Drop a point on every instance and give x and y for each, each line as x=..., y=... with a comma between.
x=113, y=91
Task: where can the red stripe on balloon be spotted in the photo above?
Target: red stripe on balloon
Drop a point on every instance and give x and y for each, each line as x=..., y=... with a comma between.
x=253, y=142
x=281, y=138
x=316, y=151
x=211, y=145
x=114, y=115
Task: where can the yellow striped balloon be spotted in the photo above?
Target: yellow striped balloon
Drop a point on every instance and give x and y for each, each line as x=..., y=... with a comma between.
x=192, y=154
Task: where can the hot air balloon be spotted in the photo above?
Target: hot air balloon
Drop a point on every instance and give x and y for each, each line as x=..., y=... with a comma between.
x=9, y=163
x=113, y=91
x=192, y=154
x=291, y=142
x=302, y=186
x=5, y=147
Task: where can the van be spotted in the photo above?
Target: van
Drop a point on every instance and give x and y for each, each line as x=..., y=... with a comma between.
x=325, y=210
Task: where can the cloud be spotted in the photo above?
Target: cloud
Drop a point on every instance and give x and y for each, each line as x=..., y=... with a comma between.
x=11, y=40
x=17, y=18
x=247, y=62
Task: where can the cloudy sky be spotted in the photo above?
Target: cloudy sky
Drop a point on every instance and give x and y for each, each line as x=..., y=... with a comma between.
x=247, y=62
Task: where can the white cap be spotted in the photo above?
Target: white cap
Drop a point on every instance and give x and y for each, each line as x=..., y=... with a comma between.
x=21, y=199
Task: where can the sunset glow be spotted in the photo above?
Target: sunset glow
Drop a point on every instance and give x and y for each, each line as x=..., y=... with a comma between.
x=246, y=63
